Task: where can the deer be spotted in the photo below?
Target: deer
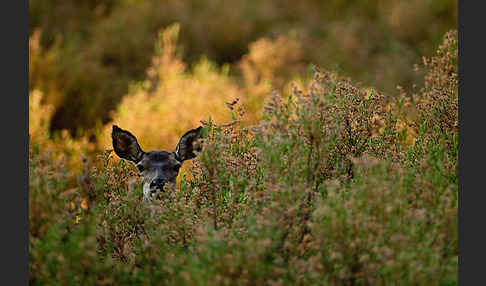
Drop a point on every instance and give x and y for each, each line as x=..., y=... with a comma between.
x=157, y=167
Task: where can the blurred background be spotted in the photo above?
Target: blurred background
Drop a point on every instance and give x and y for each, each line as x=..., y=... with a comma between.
x=157, y=67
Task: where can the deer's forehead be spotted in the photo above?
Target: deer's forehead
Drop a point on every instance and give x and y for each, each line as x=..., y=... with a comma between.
x=160, y=157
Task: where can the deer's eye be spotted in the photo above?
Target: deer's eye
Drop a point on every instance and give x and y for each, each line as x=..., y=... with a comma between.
x=140, y=168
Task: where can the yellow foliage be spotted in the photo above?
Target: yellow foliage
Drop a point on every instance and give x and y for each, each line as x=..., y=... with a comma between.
x=62, y=145
x=39, y=118
x=174, y=99
x=270, y=64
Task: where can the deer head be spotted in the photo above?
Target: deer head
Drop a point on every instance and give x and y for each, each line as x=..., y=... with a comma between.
x=157, y=167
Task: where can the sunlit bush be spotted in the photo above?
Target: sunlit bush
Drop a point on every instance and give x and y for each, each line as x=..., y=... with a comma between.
x=39, y=118
x=174, y=98
x=269, y=65
x=59, y=146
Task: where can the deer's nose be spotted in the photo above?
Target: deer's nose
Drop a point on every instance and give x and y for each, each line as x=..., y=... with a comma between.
x=158, y=183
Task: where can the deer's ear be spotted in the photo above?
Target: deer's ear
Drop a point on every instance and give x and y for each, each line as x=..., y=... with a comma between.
x=188, y=144
x=126, y=145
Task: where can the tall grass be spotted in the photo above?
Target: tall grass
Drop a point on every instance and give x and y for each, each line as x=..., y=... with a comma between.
x=334, y=186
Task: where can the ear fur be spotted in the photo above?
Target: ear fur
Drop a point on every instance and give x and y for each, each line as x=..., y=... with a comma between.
x=188, y=144
x=125, y=145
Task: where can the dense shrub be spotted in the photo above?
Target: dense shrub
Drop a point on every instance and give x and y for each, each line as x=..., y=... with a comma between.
x=327, y=189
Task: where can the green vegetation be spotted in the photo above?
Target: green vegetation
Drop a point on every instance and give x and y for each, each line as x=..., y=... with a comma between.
x=338, y=184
